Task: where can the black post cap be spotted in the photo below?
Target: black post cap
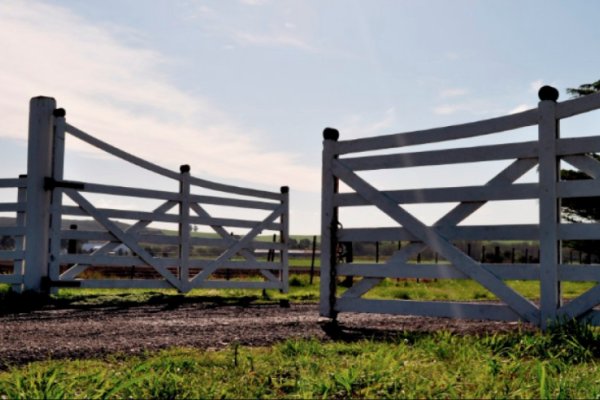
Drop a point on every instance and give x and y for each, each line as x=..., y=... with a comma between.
x=331, y=134
x=184, y=168
x=285, y=189
x=59, y=112
x=548, y=93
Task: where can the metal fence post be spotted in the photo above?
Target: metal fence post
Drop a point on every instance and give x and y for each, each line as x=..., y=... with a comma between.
x=329, y=221
x=39, y=166
x=550, y=247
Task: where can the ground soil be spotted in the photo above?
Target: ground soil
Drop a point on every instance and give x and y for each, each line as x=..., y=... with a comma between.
x=89, y=332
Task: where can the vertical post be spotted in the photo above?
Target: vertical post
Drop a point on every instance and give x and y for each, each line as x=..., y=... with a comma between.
x=312, y=259
x=329, y=221
x=39, y=166
x=58, y=161
x=20, y=239
x=184, y=228
x=376, y=252
x=284, y=238
x=549, y=164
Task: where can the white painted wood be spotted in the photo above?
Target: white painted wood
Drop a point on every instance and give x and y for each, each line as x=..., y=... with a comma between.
x=579, y=188
x=13, y=230
x=237, y=264
x=479, y=128
x=210, y=284
x=11, y=255
x=467, y=232
x=184, y=228
x=239, y=245
x=579, y=273
x=124, y=284
x=224, y=201
x=19, y=263
x=549, y=211
x=584, y=163
x=462, y=310
x=39, y=166
x=234, y=189
x=91, y=260
x=284, y=238
x=58, y=160
x=130, y=192
x=12, y=279
x=577, y=106
x=10, y=182
x=438, y=243
x=581, y=304
x=443, y=157
x=124, y=237
x=120, y=153
x=437, y=271
x=447, y=195
x=329, y=187
x=579, y=231
x=12, y=207
x=576, y=146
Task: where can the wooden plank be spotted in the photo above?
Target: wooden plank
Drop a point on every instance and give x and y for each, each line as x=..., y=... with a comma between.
x=234, y=223
x=463, y=131
x=237, y=264
x=585, y=163
x=126, y=238
x=576, y=146
x=460, y=310
x=579, y=231
x=284, y=238
x=234, y=189
x=209, y=284
x=111, y=261
x=579, y=273
x=577, y=106
x=239, y=245
x=593, y=317
x=549, y=213
x=12, y=254
x=11, y=279
x=581, y=305
x=579, y=188
x=81, y=135
x=447, y=195
x=329, y=220
x=224, y=201
x=10, y=182
x=466, y=232
x=124, y=214
x=12, y=207
x=438, y=243
x=443, y=157
x=12, y=230
x=130, y=192
x=184, y=225
x=58, y=160
x=124, y=284
x=437, y=271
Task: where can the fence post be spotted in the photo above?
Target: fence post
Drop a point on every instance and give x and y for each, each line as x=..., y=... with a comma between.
x=184, y=228
x=58, y=161
x=329, y=221
x=550, y=248
x=20, y=239
x=39, y=166
x=284, y=238
x=312, y=259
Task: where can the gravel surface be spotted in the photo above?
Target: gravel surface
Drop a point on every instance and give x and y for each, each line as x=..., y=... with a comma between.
x=55, y=332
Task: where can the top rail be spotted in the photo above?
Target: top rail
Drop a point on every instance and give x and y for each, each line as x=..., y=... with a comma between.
x=577, y=106
x=463, y=131
x=78, y=133
x=13, y=182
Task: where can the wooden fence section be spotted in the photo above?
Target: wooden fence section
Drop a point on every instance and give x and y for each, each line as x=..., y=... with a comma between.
x=14, y=256
x=137, y=254
x=341, y=165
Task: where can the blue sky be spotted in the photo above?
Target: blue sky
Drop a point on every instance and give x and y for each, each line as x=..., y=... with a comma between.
x=242, y=89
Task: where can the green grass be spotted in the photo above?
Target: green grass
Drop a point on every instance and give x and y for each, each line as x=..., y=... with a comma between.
x=560, y=364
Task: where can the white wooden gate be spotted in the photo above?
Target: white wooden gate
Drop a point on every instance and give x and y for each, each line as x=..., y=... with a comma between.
x=546, y=153
x=51, y=200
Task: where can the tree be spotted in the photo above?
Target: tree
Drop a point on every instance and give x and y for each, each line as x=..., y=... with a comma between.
x=582, y=209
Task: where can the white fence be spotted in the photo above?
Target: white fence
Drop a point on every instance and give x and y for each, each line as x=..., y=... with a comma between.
x=339, y=166
x=44, y=263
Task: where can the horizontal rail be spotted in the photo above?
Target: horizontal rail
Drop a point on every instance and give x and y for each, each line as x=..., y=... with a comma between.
x=437, y=271
x=483, y=232
x=517, y=191
x=12, y=207
x=479, y=128
x=577, y=231
x=580, y=145
x=12, y=254
x=577, y=106
x=11, y=279
x=130, y=192
x=235, y=189
x=12, y=231
x=223, y=201
x=123, y=284
x=443, y=157
x=13, y=182
x=210, y=284
x=581, y=273
x=578, y=188
x=429, y=309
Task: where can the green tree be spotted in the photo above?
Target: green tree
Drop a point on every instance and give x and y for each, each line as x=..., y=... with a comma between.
x=582, y=209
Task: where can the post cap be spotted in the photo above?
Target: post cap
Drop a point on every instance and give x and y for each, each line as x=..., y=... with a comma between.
x=331, y=134
x=285, y=189
x=59, y=112
x=184, y=168
x=548, y=93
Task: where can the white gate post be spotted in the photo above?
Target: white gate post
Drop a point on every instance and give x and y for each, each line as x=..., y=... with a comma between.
x=184, y=228
x=549, y=170
x=284, y=238
x=329, y=220
x=39, y=166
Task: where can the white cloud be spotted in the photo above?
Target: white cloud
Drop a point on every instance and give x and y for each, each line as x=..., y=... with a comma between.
x=272, y=40
x=536, y=85
x=520, y=108
x=121, y=95
x=358, y=126
x=453, y=92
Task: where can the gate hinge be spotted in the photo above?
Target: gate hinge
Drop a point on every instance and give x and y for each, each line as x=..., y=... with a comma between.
x=51, y=183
